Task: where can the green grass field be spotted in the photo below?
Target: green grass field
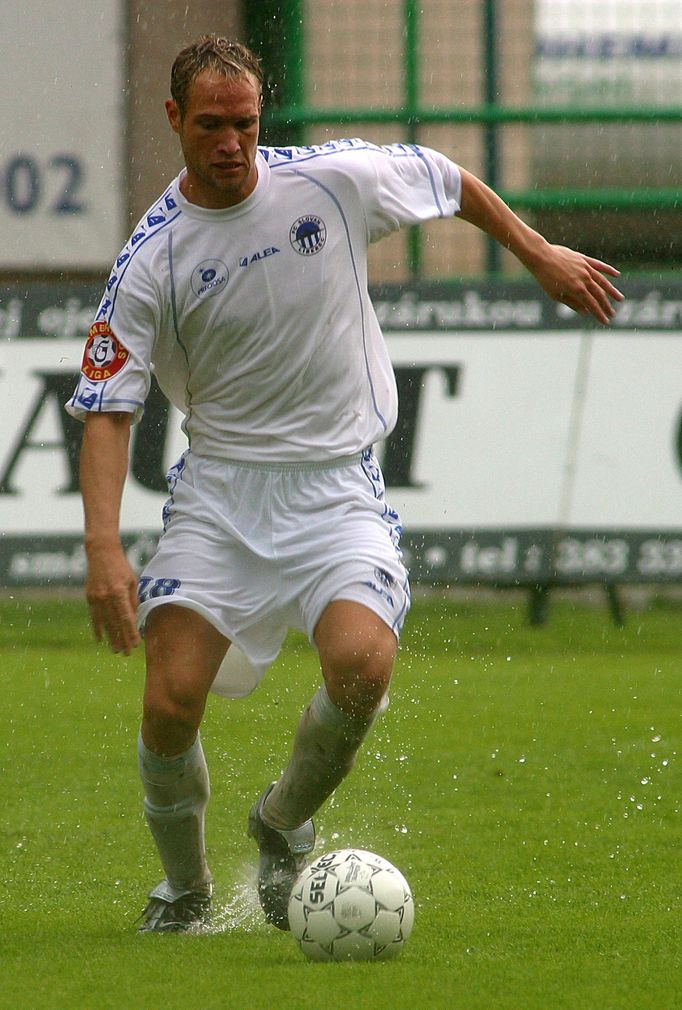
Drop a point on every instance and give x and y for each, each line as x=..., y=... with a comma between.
x=526, y=780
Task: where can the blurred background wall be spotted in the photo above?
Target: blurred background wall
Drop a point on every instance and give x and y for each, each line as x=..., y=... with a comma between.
x=572, y=109
x=156, y=33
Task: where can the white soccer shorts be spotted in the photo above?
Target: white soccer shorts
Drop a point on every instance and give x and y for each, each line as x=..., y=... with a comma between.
x=258, y=549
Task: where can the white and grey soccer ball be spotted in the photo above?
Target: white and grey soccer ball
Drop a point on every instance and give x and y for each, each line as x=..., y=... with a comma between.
x=351, y=905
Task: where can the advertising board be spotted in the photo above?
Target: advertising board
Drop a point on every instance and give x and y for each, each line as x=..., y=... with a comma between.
x=530, y=447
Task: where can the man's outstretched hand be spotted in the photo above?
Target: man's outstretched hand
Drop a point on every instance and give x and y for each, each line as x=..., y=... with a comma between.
x=579, y=281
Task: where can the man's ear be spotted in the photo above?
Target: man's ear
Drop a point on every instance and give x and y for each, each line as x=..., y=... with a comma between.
x=173, y=114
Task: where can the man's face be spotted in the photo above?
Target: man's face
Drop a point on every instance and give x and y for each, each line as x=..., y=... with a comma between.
x=219, y=137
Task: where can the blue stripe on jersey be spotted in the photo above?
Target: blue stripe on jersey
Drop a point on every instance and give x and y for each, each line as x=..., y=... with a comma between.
x=176, y=328
x=118, y=399
x=156, y=224
x=358, y=286
x=295, y=155
x=94, y=403
x=407, y=600
x=152, y=234
x=292, y=156
x=420, y=154
x=372, y=471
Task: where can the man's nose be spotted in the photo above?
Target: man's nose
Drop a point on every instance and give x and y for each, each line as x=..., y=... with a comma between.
x=229, y=141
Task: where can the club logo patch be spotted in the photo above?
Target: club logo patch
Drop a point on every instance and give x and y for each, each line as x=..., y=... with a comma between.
x=104, y=354
x=308, y=235
x=209, y=278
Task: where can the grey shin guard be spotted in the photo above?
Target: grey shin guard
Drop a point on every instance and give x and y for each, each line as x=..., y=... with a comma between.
x=176, y=792
x=325, y=746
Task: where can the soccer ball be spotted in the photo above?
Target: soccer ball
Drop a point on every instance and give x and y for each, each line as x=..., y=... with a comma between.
x=351, y=905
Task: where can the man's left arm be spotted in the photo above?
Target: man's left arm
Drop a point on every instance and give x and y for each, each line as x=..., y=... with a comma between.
x=567, y=276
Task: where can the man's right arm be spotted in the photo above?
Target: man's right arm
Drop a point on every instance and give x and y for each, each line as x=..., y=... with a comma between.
x=111, y=584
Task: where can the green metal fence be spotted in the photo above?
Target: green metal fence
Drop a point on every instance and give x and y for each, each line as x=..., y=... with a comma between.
x=598, y=153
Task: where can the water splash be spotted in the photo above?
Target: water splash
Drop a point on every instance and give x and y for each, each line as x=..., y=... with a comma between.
x=241, y=910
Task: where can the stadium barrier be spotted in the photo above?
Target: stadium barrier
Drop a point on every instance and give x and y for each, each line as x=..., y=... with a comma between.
x=532, y=448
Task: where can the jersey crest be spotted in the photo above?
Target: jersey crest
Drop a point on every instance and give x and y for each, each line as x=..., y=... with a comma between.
x=308, y=235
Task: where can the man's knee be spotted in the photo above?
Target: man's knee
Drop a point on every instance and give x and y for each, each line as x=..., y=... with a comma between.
x=183, y=654
x=172, y=707
x=169, y=706
x=357, y=653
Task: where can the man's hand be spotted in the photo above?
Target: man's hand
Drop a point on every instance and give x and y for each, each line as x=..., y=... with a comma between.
x=567, y=276
x=579, y=281
x=111, y=592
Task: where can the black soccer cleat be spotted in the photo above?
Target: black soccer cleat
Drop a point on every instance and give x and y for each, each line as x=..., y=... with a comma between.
x=169, y=912
x=282, y=859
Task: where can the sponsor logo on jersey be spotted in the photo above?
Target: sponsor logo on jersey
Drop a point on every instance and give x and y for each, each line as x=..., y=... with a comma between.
x=104, y=353
x=308, y=235
x=87, y=396
x=209, y=278
x=245, y=261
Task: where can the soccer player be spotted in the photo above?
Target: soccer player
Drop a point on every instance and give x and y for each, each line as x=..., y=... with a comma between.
x=244, y=288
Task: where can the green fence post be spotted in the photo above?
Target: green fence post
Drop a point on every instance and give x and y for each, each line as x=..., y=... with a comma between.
x=274, y=30
x=490, y=97
x=411, y=105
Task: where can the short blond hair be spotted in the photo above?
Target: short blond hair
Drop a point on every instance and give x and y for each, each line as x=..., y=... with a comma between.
x=211, y=52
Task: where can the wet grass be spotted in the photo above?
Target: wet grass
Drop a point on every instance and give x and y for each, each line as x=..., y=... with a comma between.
x=526, y=780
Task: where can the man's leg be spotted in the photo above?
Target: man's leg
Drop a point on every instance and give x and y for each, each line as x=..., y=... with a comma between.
x=183, y=654
x=357, y=653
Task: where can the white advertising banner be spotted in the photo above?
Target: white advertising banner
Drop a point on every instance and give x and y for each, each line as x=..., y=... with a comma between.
x=550, y=429
x=62, y=187
x=554, y=450
x=530, y=448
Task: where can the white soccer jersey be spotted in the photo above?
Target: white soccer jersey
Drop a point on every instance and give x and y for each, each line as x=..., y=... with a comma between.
x=256, y=319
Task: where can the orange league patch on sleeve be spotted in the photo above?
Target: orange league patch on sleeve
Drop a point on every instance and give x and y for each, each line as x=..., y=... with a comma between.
x=104, y=354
